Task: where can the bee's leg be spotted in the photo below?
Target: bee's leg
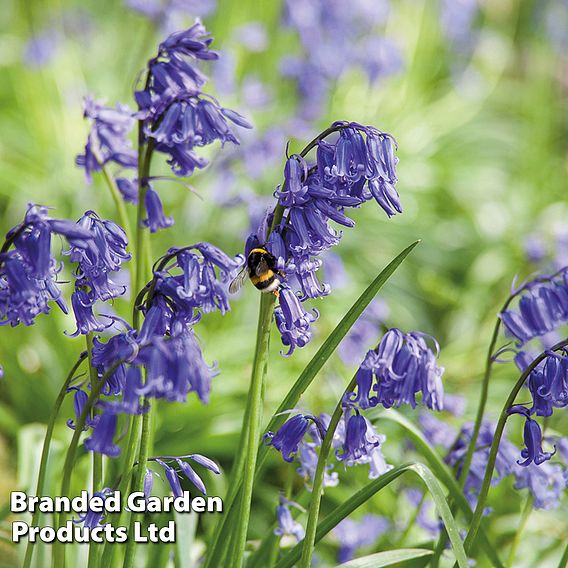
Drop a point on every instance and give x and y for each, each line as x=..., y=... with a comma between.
x=276, y=293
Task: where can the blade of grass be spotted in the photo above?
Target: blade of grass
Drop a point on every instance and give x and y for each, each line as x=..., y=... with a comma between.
x=387, y=558
x=442, y=471
x=362, y=496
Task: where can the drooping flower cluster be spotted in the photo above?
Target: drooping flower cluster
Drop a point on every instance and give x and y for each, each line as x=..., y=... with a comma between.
x=287, y=439
x=92, y=519
x=28, y=271
x=180, y=465
x=547, y=382
x=358, y=166
x=399, y=368
x=545, y=481
x=177, y=115
x=103, y=254
x=542, y=308
x=354, y=443
x=108, y=140
x=187, y=283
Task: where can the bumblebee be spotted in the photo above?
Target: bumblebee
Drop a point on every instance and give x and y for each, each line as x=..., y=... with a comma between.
x=261, y=269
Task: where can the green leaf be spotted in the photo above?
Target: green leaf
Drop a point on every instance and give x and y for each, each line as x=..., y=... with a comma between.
x=388, y=558
x=346, y=508
x=442, y=471
x=220, y=539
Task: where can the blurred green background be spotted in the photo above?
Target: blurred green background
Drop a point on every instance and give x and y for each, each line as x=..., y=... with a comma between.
x=479, y=113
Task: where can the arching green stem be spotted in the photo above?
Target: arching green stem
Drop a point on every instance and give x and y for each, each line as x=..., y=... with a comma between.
x=58, y=547
x=478, y=513
x=259, y=371
x=317, y=489
x=45, y=451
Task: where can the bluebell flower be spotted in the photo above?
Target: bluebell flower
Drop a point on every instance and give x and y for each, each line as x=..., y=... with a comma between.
x=175, y=367
x=130, y=388
x=187, y=283
x=156, y=219
x=543, y=306
x=313, y=196
x=354, y=535
x=83, y=309
x=108, y=140
x=293, y=321
x=402, y=366
x=80, y=398
x=104, y=252
x=360, y=440
x=198, y=286
x=287, y=526
x=172, y=474
x=291, y=433
x=92, y=519
x=101, y=439
x=363, y=398
x=28, y=272
x=96, y=258
x=148, y=482
x=172, y=478
x=176, y=114
x=533, y=439
x=128, y=189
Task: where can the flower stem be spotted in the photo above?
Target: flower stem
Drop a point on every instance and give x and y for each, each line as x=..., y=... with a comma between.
x=478, y=513
x=58, y=547
x=482, y=404
x=527, y=510
x=107, y=558
x=564, y=560
x=45, y=451
x=143, y=266
x=317, y=489
x=259, y=370
x=118, y=201
x=97, y=458
x=145, y=152
x=138, y=483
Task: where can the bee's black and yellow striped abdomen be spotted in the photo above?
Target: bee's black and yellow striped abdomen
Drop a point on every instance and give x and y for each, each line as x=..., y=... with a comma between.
x=262, y=270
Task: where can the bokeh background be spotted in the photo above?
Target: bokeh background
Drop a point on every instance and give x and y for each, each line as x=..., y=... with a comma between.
x=475, y=93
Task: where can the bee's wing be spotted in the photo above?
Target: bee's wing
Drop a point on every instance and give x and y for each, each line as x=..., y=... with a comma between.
x=262, y=267
x=238, y=281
